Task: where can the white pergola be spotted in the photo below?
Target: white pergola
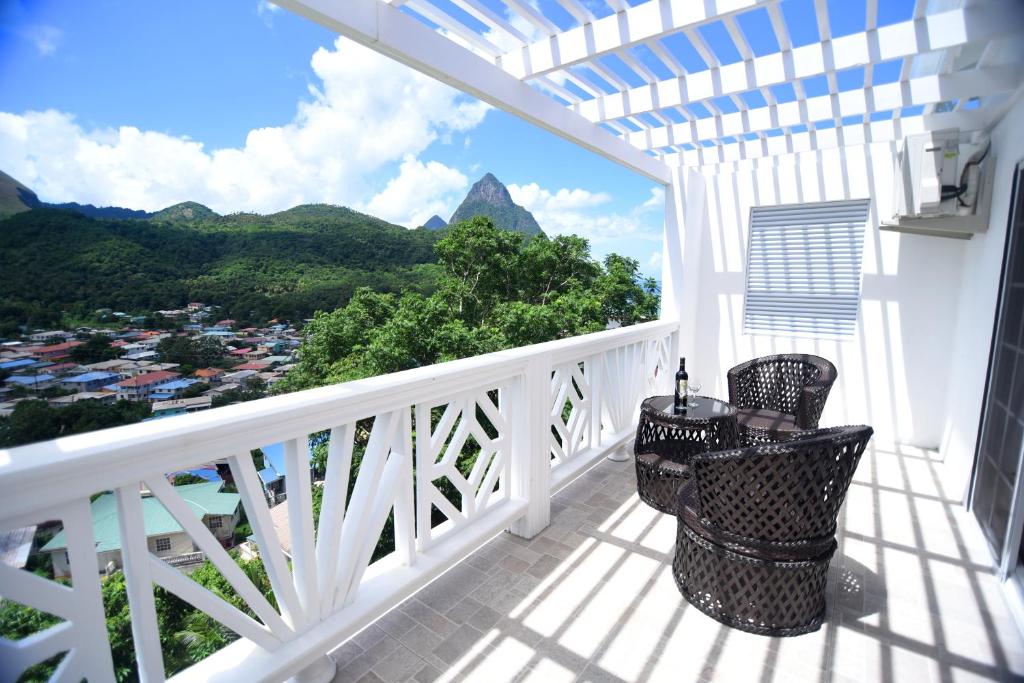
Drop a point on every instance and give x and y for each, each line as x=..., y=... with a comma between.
x=613, y=82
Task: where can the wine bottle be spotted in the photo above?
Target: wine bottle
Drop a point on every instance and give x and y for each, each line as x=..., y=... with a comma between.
x=682, y=379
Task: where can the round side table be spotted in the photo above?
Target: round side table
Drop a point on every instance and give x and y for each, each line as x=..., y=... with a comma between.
x=665, y=439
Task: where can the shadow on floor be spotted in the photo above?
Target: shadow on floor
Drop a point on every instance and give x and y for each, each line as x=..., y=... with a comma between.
x=911, y=594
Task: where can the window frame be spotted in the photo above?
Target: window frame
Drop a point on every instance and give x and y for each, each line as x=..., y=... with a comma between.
x=789, y=331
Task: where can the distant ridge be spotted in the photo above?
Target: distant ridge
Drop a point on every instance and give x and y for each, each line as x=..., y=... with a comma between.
x=488, y=197
x=435, y=222
x=102, y=211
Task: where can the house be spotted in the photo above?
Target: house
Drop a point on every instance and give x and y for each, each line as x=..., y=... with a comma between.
x=209, y=375
x=166, y=539
x=102, y=397
x=54, y=351
x=240, y=376
x=181, y=406
x=254, y=365
x=61, y=368
x=18, y=364
x=256, y=354
x=141, y=355
x=90, y=381
x=140, y=387
x=31, y=382
x=172, y=389
x=274, y=486
x=52, y=336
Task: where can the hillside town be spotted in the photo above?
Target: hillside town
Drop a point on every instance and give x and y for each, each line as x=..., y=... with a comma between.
x=42, y=364
x=143, y=367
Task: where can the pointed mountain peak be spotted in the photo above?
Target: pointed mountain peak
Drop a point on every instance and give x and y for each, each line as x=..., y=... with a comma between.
x=489, y=197
x=491, y=190
x=435, y=222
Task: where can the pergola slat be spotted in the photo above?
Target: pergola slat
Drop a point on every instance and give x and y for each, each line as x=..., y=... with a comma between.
x=976, y=25
x=633, y=26
x=578, y=82
x=886, y=97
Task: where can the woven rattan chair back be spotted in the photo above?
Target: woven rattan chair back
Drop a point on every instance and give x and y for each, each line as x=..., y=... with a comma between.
x=795, y=384
x=788, y=492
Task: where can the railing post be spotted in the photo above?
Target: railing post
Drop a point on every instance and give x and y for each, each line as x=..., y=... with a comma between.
x=530, y=399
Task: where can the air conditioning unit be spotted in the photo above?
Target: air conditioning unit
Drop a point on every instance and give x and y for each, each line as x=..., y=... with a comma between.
x=943, y=186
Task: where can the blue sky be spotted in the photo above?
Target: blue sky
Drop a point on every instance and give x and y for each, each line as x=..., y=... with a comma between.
x=242, y=106
x=211, y=72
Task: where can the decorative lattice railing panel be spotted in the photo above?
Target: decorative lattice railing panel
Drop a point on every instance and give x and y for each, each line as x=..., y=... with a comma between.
x=380, y=485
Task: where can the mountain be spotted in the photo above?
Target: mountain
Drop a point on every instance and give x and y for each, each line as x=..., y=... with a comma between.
x=435, y=222
x=15, y=197
x=488, y=197
x=59, y=261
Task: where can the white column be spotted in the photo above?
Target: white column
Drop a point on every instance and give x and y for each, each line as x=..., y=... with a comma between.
x=685, y=224
x=531, y=450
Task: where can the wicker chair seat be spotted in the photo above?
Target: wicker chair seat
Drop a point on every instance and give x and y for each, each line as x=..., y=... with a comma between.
x=659, y=480
x=757, y=424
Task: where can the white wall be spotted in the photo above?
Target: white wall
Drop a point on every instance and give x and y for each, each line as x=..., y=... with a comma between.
x=977, y=300
x=894, y=372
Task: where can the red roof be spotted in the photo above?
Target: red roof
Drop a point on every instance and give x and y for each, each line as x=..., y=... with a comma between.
x=241, y=352
x=56, y=348
x=252, y=366
x=148, y=378
x=208, y=372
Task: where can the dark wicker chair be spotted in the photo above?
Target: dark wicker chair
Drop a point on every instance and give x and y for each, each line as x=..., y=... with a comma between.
x=757, y=527
x=777, y=397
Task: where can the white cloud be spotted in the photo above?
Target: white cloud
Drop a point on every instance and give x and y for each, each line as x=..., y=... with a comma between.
x=581, y=212
x=656, y=200
x=368, y=114
x=655, y=260
x=266, y=10
x=532, y=196
x=45, y=38
x=418, y=192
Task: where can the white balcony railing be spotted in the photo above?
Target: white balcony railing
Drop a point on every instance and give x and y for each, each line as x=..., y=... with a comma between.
x=540, y=414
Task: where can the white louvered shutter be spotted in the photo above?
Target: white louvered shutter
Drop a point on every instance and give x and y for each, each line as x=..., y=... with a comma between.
x=804, y=268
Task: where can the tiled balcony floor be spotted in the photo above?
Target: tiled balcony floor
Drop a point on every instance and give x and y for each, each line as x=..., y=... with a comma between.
x=911, y=598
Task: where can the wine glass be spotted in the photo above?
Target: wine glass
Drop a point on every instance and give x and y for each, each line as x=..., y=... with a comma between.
x=693, y=388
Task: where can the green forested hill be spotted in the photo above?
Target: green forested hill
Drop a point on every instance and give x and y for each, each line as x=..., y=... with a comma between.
x=288, y=264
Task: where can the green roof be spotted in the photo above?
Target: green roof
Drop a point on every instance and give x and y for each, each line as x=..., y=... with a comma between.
x=204, y=499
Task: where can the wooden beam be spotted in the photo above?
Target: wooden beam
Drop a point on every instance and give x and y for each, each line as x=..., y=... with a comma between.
x=389, y=31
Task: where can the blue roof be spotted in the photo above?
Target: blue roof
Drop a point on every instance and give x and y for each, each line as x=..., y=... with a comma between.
x=29, y=379
x=161, y=396
x=178, y=384
x=93, y=377
x=20, y=363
